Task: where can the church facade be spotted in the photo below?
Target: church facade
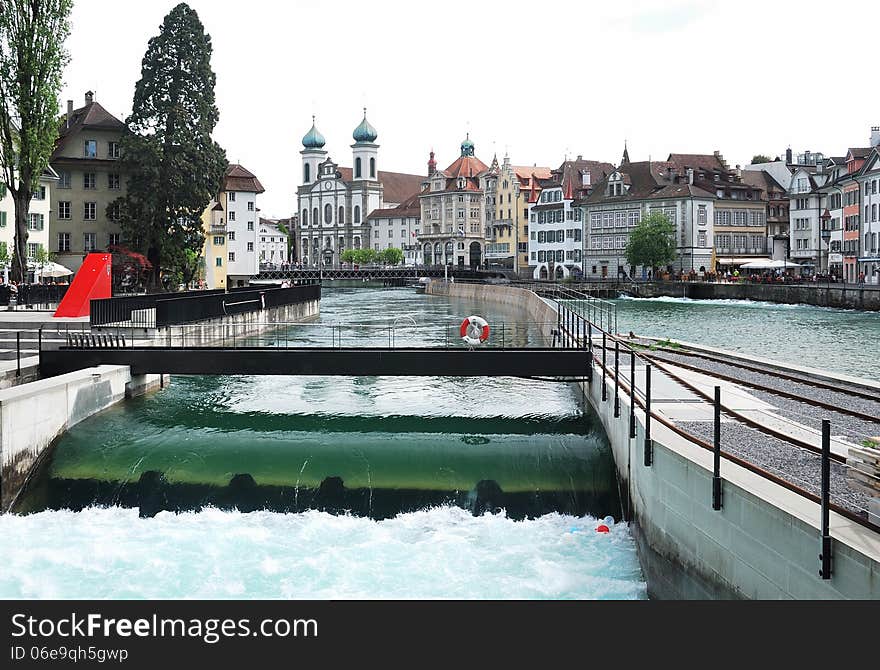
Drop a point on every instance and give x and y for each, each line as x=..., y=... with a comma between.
x=334, y=202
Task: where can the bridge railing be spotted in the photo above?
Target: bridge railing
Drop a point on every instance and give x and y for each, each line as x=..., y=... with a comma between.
x=627, y=371
x=169, y=309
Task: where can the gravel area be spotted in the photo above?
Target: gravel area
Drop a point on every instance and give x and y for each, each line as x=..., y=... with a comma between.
x=853, y=428
x=837, y=398
x=793, y=464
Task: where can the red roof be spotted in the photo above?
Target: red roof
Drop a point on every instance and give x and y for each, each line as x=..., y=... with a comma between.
x=466, y=166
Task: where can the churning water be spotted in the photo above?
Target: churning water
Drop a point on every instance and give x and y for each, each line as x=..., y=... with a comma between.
x=279, y=487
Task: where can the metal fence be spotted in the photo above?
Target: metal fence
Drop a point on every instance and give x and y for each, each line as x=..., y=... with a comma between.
x=618, y=363
x=168, y=309
x=32, y=295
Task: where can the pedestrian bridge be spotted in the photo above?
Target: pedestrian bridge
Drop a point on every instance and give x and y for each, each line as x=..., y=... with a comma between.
x=408, y=349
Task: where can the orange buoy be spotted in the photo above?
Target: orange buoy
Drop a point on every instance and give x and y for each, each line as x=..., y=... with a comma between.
x=603, y=529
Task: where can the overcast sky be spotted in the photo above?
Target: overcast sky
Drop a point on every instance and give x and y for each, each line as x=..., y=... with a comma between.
x=537, y=79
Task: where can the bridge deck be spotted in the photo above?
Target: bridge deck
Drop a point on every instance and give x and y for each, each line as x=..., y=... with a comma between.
x=354, y=362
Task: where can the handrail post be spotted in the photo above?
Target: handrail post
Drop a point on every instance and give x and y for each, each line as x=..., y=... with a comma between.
x=649, y=456
x=590, y=352
x=604, y=348
x=632, y=394
x=716, y=472
x=825, y=557
x=616, y=379
x=18, y=354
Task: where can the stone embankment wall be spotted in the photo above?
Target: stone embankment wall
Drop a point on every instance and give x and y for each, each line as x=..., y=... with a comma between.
x=33, y=415
x=763, y=544
x=838, y=296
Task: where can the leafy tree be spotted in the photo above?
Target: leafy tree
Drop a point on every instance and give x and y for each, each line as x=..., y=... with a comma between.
x=41, y=257
x=760, y=158
x=4, y=255
x=391, y=256
x=174, y=166
x=32, y=59
x=652, y=242
x=347, y=256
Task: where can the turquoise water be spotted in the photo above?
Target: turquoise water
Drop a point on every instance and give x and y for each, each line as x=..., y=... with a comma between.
x=819, y=337
x=411, y=453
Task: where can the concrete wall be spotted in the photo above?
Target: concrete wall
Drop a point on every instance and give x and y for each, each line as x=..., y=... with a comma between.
x=763, y=544
x=849, y=297
x=32, y=416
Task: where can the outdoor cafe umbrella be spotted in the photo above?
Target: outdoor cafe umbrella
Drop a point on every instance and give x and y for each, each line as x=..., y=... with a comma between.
x=760, y=265
x=53, y=270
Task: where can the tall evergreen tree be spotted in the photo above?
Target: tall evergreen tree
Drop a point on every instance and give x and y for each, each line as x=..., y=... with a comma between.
x=175, y=168
x=32, y=59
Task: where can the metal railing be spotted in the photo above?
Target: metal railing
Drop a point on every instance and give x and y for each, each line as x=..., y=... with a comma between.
x=639, y=392
x=32, y=295
x=168, y=309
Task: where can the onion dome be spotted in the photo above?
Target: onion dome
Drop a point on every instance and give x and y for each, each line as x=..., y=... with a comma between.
x=365, y=133
x=314, y=139
x=467, y=147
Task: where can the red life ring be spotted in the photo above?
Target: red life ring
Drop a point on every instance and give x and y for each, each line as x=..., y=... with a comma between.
x=474, y=330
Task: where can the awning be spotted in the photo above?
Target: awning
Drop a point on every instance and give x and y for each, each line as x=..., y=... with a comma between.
x=740, y=260
x=869, y=260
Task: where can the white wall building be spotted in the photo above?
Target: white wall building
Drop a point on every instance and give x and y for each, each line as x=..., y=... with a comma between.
x=241, y=189
x=272, y=244
x=38, y=217
x=398, y=228
x=869, y=183
x=806, y=208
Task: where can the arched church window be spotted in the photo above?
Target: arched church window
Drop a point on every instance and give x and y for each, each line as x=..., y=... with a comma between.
x=357, y=214
x=372, y=168
x=308, y=173
x=341, y=218
x=357, y=168
x=328, y=214
x=316, y=219
x=305, y=219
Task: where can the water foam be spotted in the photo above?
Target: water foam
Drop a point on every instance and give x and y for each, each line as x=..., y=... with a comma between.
x=435, y=554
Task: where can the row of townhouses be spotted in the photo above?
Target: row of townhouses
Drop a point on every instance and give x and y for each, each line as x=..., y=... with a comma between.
x=820, y=212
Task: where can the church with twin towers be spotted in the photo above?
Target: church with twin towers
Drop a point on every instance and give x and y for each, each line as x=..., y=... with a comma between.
x=335, y=202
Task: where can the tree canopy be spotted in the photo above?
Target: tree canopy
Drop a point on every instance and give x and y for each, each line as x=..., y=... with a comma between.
x=652, y=242
x=32, y=59
x=760, y=158
x=175, y=168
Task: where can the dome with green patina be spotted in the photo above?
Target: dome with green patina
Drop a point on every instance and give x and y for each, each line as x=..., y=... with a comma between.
x=314, y=139
x=365, y=133
x=467, y=147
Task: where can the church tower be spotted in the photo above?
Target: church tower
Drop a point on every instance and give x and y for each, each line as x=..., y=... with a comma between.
x=366, y=152
x=313, y=154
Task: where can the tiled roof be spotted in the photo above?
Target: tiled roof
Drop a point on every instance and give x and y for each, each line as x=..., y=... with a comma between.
x=408, y=209
x=763, y=180
x=466, y=166
x=648, y=180
x=397, y=185
x=241, y=180
x=527, y=172
x=93, y=116
x=697, y=161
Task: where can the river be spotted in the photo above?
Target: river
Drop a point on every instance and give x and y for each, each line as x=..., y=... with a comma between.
x=278, y=487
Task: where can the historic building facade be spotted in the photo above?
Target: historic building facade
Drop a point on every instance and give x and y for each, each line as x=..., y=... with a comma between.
x=86, y=159
x=39, y=215
x=334, y=202
x=556, y=223
x=230, y=227
x=398, y=228
x=869, y=182
x=637, y=189
x=457, y=211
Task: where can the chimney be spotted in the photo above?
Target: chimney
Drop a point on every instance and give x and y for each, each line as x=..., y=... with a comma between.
x=875, y=136
x=580, y=158
x=788, y=156
x=69, y=112
x=690, y=176
x=90, y=97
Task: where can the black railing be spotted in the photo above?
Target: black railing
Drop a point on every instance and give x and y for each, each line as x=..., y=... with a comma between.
x=30, y=295
x=136, y=310
x=190, y=309
x=169, y=309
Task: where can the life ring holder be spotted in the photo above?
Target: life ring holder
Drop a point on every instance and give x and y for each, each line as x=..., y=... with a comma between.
x=474, y=331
